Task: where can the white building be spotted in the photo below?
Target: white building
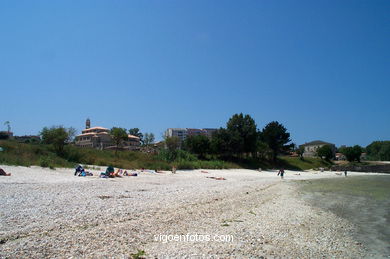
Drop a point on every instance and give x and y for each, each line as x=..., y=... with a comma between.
x=310, y=148
x=181, y=133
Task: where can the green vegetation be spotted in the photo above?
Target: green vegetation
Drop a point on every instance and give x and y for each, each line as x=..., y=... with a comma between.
x=199, y=145
x=243, y=135
x=182, y=159
x=239, y=145
x=379, y=150
x=275, y=135
x=148, y=139
x=139, y=255
x=45, y=155
x=352, y=153
x=240, y=142
x=57, y=136
x=295, y=163
x=118, y=135
x=325, y=152
x=300, y=150
x=29, y=154
x=137, y=133
x=22, y=154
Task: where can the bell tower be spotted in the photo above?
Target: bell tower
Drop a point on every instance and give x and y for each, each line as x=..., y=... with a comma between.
x=88, y=123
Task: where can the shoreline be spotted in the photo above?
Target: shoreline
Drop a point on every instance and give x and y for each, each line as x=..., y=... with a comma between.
x=362, y=200
x=51, y=213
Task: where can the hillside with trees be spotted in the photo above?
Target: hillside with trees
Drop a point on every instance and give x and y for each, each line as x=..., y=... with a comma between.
x=240, y=144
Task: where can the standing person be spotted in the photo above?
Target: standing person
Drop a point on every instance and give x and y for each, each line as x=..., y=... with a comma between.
x=281, y=173
x=345, y=173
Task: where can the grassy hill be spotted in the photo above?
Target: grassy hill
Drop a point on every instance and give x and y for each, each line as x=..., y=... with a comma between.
x=295, y=163
x=24, y=154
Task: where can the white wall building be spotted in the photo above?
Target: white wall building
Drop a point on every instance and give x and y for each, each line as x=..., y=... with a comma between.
x=181, y=133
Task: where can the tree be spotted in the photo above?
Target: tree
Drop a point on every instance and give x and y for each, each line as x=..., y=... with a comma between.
x=263, y=150
x=118, y=135
x=379, y=150
x=172, y=143
x=199, y=145
x=357, y=150
x=300, y=150
x=275, y=135
x=352, y=153
x=148, y=138
x=221, y=143
x=243, y=134
x=137, y=133
x=326, y=152
x=58, y=136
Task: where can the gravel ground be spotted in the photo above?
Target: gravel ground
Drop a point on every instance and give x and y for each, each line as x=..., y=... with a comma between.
x=51, y=213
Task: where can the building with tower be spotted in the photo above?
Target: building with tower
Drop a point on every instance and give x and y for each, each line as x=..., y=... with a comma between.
x=100, y=138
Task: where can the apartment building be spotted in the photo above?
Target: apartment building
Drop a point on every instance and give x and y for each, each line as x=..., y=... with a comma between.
x=183, y=133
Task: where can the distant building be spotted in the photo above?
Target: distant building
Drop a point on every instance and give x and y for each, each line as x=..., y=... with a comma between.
x=340, y=157
x=28, y=139
x=310, y=148
x=6, y=135
x=209, y=132
x=132, y=142
x=96, y=137
x=183, y=133
x=100, y=138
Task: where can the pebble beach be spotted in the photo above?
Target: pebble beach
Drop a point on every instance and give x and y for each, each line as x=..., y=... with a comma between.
x=49, y=213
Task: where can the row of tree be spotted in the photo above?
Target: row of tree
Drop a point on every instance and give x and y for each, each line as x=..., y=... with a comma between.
x=241, y=138
x=377, y=150
x=327, y=152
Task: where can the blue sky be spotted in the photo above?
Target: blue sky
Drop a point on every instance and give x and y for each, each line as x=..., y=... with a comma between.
x=321, y=68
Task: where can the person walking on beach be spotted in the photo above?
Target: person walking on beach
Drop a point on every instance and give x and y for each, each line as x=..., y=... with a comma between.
x=281, y=173
x=345, y=173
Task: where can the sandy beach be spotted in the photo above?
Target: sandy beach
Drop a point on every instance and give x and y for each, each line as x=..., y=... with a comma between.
x=52, y=213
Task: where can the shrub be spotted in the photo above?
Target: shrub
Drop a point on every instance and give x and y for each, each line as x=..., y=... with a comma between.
x=44, y=162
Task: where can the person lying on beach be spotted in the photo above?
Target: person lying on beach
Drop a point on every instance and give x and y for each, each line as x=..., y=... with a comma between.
x=79, y=170
x=3, y=173
x=110, y=171
x=118, y=173
x=129, y=174
x=216, y=178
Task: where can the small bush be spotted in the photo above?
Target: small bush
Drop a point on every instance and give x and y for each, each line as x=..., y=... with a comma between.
x=44, y=162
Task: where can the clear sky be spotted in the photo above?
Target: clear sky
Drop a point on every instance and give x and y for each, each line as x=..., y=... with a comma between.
x=321, y=68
